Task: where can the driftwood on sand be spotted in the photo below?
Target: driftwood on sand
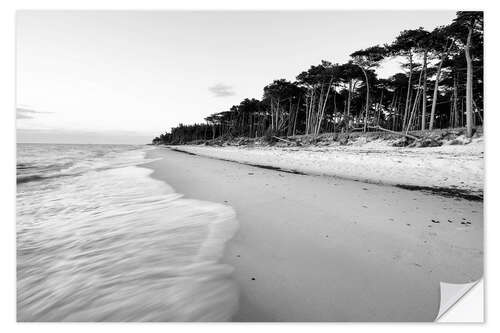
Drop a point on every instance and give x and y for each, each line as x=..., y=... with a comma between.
x=394, y=132
x=287, y=141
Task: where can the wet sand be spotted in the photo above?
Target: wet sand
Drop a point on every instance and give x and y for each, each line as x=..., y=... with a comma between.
x=318, y=248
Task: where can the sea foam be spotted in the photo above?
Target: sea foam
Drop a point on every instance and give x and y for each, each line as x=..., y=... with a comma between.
x=109, y=243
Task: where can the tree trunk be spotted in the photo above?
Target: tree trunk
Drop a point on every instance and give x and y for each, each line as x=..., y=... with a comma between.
x=272, y=115
x=393, y=109
x=450, y=122
x=290, y=122
x=419, y=86
x=407, y=104
x=277, y=122
x=307, y=103
x=379, y=108
x=424, y=91
x=323, y=107
x=349, y=102
x=296, y=115
x=468, y=93
x=310, y=110
x=413, y=111
x=436, y=86
x=367, y=106
x=455, y=104
x=317, y=113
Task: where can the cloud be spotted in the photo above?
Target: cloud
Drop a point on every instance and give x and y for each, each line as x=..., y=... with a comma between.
x=25, y=113
x=221, y=90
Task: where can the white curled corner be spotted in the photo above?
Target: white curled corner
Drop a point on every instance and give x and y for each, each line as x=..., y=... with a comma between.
x=451, y=293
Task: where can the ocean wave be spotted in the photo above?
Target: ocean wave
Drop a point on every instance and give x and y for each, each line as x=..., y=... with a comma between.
x=97, y=161
x=30, y=178
x=22, y=166
x=117, y=245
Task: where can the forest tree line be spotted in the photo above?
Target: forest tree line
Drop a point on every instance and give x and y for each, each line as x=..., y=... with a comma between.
x=440, y=86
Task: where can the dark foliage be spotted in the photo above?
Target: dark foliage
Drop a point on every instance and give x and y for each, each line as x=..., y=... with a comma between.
x=341, y=98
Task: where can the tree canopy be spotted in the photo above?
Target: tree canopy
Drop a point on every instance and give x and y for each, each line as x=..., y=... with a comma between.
x=440, y=86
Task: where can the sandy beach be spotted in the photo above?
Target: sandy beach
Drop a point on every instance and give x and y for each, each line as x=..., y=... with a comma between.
x=456, y=169
x=319, y=248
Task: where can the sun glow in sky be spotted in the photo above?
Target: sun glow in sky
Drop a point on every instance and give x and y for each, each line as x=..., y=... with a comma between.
x=126, y=76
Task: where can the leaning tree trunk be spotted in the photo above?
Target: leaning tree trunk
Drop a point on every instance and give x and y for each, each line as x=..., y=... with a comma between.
x=468, y=93
x=424, y=91
x=407, y=104
x=367, y=106
x=322, y=112
x=436, y=86
x=317, y=113
x=413, y=111
x=415, y=103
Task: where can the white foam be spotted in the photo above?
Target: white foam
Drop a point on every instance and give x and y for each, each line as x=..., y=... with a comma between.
x=118, y=245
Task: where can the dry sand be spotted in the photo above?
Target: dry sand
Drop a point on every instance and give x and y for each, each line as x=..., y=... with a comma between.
x=457, y=168
x=318, y=248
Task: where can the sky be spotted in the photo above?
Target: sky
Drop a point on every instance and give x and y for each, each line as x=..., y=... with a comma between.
x=127, y=76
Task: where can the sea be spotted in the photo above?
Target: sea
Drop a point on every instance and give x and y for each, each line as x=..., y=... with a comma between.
x=99, y=239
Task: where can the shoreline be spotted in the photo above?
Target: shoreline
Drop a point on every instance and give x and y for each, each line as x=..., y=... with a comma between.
x=314, y=248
